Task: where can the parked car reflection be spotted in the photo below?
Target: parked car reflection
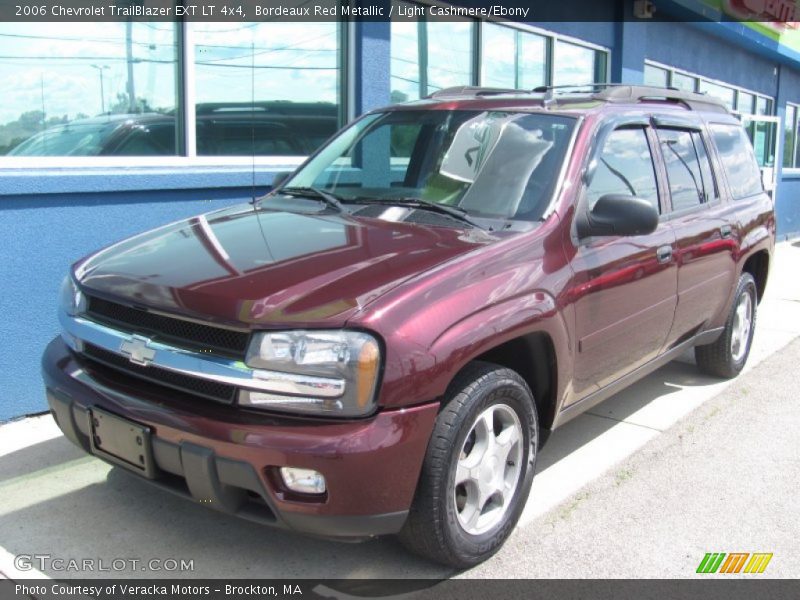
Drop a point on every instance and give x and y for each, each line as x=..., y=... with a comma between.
x=223, y=129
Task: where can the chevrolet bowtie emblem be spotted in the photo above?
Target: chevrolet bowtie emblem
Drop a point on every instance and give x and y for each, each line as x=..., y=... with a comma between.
x=138, y=351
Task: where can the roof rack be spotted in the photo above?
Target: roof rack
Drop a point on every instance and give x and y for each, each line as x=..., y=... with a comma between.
x=625, y=92
x=606, y=92
x=471, y=90
x=639, y=93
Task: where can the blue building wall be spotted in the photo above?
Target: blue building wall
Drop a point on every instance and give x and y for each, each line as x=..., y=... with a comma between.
x=49, y=218
x=42, y=235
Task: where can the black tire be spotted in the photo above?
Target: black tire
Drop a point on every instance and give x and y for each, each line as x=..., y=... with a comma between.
x=433, y=529
x=718, y=359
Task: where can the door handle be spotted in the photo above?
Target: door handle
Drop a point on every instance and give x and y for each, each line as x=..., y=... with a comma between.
x=726, y=231
x=664, y=254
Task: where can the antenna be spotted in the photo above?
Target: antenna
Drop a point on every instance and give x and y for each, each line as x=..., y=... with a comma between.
x=253, y=113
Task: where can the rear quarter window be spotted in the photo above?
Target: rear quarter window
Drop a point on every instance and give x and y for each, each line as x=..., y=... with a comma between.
x=738, y=160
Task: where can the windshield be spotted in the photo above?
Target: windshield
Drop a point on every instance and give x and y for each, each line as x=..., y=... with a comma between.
x=492, y=164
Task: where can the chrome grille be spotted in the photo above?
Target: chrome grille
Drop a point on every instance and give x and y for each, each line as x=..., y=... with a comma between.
x=212, y=390
x=178, y=332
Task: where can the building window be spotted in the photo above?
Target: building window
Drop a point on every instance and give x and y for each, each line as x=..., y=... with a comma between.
x=266, y=89
x=687, y=83
x=745, y=103
x=512, y=58
x=656, y=76
x=763, y=106
x=790, y=149
x=578, y=65
x=722, y=92
x=427, y=56
x=742, y=101
x=90, y=89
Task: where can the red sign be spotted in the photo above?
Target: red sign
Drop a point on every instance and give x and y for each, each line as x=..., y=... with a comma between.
x=778, y=13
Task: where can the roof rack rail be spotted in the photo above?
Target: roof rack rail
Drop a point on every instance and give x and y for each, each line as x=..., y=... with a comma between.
x=639, y=93
x=624, y=92
x=471, y=90
x=606, y=92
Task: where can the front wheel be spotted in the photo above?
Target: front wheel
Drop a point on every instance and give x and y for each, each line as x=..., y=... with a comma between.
x=478, y=468
x=727, y=356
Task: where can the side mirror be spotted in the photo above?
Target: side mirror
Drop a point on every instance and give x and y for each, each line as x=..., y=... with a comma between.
x=619, y=214
x=279, y=178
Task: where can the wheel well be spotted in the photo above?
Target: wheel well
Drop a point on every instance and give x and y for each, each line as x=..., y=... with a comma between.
x=758, y=266
x=533, y=358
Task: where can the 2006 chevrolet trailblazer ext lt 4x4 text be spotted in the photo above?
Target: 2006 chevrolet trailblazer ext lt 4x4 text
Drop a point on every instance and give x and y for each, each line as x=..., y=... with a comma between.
x=379, y=344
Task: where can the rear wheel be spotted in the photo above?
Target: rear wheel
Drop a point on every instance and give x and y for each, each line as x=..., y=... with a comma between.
x=478, y=468
x=727, y=356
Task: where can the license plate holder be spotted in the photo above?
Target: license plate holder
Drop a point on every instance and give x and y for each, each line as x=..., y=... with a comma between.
x=122, y=442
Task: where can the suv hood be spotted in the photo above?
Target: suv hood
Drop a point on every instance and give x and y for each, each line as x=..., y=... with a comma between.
x=247, y=266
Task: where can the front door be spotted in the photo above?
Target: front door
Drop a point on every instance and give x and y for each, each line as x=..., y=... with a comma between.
x=623, y=290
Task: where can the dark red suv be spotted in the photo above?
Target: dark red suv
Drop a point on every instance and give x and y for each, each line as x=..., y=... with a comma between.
x=379, y=345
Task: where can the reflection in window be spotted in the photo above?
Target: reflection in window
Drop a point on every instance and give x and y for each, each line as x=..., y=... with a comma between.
x=744, y=103
x=90, y=89
x=449, y=54
x=406, y=82
x=512, y=58
x=492, y=164
x=722, y=92
x=796, y=138
x=789, y=135
x=743, y=175
x=269, y=89
x=687, y=83
x=427, y=56
x=578, y=65
x=686, y=185
x=763, y=106
x=625, y=167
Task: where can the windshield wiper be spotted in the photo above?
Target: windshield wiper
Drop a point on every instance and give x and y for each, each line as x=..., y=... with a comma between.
x=453, y=211
x=312, y=192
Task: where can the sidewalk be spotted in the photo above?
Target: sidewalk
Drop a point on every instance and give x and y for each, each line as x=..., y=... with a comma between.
x=642, y=485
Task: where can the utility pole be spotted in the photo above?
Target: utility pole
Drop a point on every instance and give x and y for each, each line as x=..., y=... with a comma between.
x=100, y=69
x=129, y=54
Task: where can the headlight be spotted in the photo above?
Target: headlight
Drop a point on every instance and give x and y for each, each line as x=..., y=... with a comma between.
x=72, y=301
x=316, y=372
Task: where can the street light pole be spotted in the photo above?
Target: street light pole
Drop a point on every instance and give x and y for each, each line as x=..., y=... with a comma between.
x=100, y=69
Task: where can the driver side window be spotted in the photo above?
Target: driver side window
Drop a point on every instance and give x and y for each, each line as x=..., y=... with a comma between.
x=625, y=166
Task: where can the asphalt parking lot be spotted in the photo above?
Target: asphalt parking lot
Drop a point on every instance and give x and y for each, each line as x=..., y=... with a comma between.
x=641, y=486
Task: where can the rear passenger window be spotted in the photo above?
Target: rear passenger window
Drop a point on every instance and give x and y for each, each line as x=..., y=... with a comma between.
x=741, y=169
x=691, y=182
x=625, y=167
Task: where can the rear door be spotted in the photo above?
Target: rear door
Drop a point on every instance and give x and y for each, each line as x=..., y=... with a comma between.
x=703, y=230
x=624, y=287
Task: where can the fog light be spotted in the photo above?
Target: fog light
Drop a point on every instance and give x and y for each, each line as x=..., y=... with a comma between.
x=303, y=481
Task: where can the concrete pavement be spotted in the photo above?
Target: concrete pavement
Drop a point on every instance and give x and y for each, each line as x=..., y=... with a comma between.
x=642, y=485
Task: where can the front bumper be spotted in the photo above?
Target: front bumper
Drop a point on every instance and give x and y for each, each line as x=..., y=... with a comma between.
x=226, y=458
